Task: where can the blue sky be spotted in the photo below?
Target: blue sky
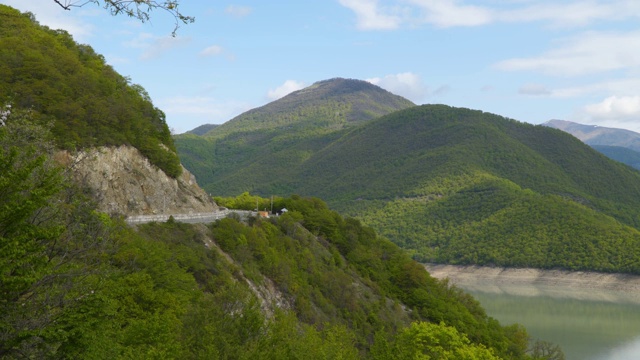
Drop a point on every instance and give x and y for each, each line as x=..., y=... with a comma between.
x=531, y=60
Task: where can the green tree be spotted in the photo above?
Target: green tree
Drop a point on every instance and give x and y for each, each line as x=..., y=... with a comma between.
x=28, y=182
x=52, y=243
x=426, y=341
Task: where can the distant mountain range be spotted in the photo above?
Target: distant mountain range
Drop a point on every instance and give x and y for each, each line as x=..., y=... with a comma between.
x=619, y=144
x=448, y=184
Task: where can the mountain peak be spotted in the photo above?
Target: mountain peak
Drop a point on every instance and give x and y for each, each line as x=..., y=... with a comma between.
x=328, y=104
x=340, y=86
x=352, y=91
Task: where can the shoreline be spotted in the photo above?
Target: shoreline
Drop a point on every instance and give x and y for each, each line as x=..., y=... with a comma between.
x=581, y=285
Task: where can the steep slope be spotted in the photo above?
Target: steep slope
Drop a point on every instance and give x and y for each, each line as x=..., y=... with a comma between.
x=399, y=153
x=463, y=186
x=69, y=85
x=79, y=284
x=124, y=182
x=618, y=144
x=333, y=104
x=263, y=145
x=129, y=158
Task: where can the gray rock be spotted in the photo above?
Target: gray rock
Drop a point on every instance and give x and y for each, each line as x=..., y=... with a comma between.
x=124, y=182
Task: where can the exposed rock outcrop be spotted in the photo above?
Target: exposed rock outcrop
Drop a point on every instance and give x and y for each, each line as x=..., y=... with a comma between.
x=123, y=181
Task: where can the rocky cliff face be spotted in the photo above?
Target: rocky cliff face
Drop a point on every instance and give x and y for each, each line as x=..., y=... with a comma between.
x=124, y=182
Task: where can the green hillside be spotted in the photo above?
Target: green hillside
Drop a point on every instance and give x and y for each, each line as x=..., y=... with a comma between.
x=325, y=106
x=202, y=129
x=69, y=85
x=263, y=146
x=621, y=154
x=77, y=284
x=467, y=187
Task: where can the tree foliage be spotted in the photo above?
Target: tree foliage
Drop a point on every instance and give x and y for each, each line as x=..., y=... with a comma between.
x=384, y=271
x=435, y=341
x=70, y=85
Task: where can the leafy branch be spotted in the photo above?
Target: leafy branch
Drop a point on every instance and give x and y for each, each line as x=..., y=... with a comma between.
x=139, y=9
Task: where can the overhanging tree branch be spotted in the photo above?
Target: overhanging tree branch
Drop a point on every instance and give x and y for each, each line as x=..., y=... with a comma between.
x=139, y=9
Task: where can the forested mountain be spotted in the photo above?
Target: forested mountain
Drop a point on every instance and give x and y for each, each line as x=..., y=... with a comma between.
x=71, y=87
x=620, y=153
x=467, y=187
x=76, y=283
x=618, y=144
x=202, y=129
x=262, y=146
x=309, y=284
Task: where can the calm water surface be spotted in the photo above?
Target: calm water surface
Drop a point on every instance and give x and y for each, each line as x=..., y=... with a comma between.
x=588, y=325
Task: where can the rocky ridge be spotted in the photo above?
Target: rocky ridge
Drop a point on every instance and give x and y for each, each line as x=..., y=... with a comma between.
x=124, y=182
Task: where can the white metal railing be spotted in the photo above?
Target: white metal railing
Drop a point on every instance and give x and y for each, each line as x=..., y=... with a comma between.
x=190, y=218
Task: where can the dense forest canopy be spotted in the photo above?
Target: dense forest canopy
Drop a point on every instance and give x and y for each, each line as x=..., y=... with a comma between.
x=79, y=284
x=71, y=86
x=448, y=184
x=265, y=145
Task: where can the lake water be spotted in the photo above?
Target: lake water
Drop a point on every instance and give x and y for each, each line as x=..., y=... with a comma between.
x=588, y=324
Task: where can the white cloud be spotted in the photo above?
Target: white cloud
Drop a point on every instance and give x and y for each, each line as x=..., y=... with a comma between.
x=238, y=11
x=534, y=89
x=615, y=108
x=370, y=16
x=408, y=85
x=286, y=88
x=560, y=14
x=614, y=111
x=449, y=13
x=621, y=112
x=588, y=53
x=212, y=50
